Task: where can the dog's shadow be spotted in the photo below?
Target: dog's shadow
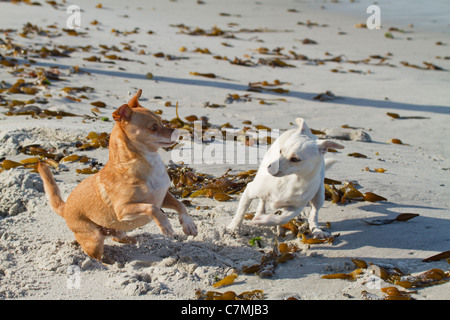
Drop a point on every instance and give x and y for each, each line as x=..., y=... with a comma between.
x=159, y=250
x=415, y=238
x=425, y=232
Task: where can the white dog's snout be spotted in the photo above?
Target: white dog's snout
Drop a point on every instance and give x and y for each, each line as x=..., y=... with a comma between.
x=175, y=135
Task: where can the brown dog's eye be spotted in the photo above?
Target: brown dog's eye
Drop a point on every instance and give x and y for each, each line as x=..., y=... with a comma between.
x=154, y=127
x=294, y=159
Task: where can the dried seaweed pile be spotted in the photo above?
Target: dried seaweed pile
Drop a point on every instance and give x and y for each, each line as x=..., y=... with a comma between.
x=38, y=88
x=348, y=192
x=269, y=261
x=218, y=32
x=187, y=183
x=278, y=57
x=53, y=158
x=201, y=129
x=37, y=81
x=266, y=268
x=229, y=295
x=391, y=275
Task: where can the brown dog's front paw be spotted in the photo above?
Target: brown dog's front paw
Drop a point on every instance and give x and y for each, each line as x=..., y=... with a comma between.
x=189, y=227
x=166, y=228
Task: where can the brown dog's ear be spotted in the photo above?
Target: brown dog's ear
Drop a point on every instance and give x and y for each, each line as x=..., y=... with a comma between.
x=123, y=113
x=134, y=102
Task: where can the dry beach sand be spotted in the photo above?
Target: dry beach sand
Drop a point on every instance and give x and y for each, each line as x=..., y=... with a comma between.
x=125, y=46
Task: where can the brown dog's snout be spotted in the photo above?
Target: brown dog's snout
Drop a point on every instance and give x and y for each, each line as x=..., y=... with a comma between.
x=169, y=134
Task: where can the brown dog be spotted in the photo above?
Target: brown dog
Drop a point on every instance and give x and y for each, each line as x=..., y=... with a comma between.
x=128, y=191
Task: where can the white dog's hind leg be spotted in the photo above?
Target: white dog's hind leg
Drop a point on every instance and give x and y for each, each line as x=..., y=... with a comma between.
x=313, y=219
x=244, y=202
x=261, y=209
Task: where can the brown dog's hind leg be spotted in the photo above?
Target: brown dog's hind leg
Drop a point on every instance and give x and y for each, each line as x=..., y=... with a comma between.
x=91, y=240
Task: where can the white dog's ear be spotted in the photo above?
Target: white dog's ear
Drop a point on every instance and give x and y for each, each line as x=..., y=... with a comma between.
x=302, y=126
x=325, y=144
x=299, y=122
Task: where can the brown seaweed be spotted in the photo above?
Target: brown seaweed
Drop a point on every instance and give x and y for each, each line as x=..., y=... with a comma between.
x=189, y=183
x=437, y=257
x=373, y=197
x=207, y=75
x=98, y=104
x=428, y=66
x=391, y=293
x=400, y=217
x=37, y=112
x=428, y=278
x=87, y=171
x=357, y=155
x=394, y=276
x=72, y=90
x=94, y=140
x=312, y=240
x=37, y=150
x=275, y=62
x=348, y=192
x=218, y=32
x=241, y=62
x=310, y=24
x=236, y=97
x=396, y=141
x=230, y=295
x=397, y=116
x=256, y=88
x=268, y=262
x=326, y=96
x=8, y=164
x=360, y=263
x=225, y=281
x=308, y=41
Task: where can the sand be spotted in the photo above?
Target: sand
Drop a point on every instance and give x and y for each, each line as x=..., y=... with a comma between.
x=39, y=258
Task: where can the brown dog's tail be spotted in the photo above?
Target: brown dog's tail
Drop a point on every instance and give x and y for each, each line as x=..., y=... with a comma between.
x=51, y=189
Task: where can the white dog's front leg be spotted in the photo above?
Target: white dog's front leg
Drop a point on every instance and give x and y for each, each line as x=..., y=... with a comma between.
x=244, y=202
x=313, y=219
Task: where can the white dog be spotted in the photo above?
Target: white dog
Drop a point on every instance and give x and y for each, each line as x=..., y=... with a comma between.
x=290, y=176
